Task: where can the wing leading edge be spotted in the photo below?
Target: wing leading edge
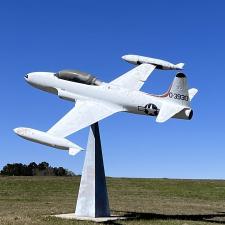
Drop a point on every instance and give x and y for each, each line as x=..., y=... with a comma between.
x=135, y=78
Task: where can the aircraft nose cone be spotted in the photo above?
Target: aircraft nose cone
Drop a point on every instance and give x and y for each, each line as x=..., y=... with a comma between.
x=21, y=131
x=27, y=76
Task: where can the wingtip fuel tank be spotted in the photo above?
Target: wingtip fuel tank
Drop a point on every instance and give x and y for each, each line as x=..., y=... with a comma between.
x=47, y=139
x=158, y=63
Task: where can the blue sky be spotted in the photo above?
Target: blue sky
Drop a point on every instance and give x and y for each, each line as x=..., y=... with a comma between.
x=92, y=36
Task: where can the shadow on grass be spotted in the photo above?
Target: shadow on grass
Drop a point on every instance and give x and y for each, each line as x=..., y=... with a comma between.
x=212, y=218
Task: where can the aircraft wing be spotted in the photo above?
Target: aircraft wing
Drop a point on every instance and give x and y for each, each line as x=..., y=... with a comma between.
x=83, y=114
x=135, y=78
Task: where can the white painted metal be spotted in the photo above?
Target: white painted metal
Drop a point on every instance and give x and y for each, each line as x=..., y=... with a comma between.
x=135, y=78
x=159, y=63
x=167, y=111
x=192, y=92
x=47, y=139
x=82, y=115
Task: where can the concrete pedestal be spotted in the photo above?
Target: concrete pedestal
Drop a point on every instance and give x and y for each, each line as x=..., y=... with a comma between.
x=72, y=216
x=92, y=199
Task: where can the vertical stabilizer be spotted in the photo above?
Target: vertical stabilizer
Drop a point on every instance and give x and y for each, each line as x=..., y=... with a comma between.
x=178, y=93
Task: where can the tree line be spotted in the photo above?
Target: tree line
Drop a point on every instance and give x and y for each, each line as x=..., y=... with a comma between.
x=33, y=169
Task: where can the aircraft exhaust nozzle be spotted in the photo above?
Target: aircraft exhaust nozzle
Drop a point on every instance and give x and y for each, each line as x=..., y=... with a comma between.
x=158, y=63
x=189, y=113
x=47, y=139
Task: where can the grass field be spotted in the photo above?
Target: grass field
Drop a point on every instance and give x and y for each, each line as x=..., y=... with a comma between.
x=29, y=200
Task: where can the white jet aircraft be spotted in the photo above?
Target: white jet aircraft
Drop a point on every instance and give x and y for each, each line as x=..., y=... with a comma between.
x=96, y=100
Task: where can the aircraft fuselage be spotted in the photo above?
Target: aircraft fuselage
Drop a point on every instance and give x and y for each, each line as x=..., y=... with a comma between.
x=129, y=100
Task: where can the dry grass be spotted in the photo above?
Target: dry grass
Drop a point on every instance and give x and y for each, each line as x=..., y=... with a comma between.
x=28, y=200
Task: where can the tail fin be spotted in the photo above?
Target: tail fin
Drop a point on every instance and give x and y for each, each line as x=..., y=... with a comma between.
x=178, y=92
x=180, y=66
x=181, y=96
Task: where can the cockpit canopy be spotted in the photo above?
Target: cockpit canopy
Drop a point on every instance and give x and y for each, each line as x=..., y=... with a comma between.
x=78, y=76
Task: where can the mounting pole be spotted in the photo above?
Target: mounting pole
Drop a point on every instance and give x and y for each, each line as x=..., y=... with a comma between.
x=92, y=199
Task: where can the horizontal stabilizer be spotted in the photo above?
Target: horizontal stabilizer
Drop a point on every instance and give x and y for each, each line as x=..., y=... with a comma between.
x=192, y=92
x=167, y=111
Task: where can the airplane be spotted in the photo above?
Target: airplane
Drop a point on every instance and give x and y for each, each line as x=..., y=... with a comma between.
x=95, y=100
